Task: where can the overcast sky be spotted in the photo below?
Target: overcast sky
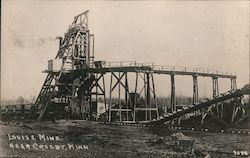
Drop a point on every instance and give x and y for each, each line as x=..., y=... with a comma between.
x=211, y=34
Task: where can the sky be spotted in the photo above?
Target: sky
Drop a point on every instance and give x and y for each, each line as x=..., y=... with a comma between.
x=206, y=34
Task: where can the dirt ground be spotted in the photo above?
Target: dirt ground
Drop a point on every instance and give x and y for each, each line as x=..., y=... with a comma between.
x=101, y=140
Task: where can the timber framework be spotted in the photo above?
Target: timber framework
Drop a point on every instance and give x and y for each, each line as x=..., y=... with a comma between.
x=80, y=86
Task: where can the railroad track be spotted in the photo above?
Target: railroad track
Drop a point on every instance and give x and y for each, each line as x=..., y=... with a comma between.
x=180, y=128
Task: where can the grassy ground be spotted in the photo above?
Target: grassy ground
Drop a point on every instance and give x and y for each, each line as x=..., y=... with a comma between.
x=115, y=141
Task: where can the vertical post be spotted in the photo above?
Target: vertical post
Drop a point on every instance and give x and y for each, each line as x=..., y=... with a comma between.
x=88, y=52
x=96, y=87
x=126, y=92
x=153, y=84
x=148, y=96
x=73, y=54
x=119, y=98
x=87, y=23
x=215, y=90
x=215, y=87
x=233, y=84
x=233, y=115
x=93, y=48
x=203, y=116
x=173, y=108
x=235, y=111
x=72, y=100
x=145, y=94
x=135, y=96
x=195, y=89
x=110, y=102
x=221, y=108
x=179, y=121
x=104, y=92
x=96, y=95
x=232, y=88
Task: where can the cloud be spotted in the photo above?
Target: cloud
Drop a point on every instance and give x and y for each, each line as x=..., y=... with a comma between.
x=43, y=40
x=26, y=43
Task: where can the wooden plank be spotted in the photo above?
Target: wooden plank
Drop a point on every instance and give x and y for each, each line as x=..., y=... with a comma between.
x=120, y=110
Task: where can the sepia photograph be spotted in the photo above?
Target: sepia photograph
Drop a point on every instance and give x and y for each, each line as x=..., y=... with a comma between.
x=129, y=79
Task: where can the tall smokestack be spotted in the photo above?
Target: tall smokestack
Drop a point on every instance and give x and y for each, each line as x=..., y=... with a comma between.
x=60, y=41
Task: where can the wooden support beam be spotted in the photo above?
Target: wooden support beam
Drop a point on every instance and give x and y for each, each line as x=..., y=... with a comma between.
x=173, y=101
x=126, y=93
x=215, y=87
x=119, y=98
x=96, y=81
x=233, y=84
x=146, y=109
x=145, y=94
x=156, y=105
x=118, y=80
x=148, y=95
x=96, y=96
x=110, y=97
x=135, y=99
x=120, y=110
x=195, y=89
x=215, y=90
x=128, y=101
x=104, y=90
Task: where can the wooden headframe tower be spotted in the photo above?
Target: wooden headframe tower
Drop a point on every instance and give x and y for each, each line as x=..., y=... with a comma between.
x=69, y=87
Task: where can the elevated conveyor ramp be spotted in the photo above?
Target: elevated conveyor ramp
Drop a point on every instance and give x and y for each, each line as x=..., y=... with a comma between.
x=221, y=98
